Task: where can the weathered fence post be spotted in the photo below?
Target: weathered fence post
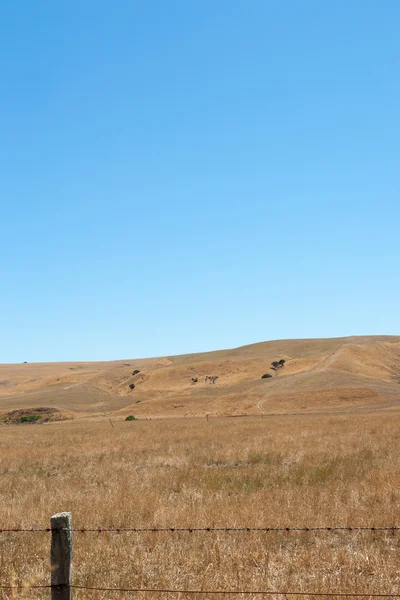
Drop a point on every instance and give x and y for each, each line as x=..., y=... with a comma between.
x=61, y=556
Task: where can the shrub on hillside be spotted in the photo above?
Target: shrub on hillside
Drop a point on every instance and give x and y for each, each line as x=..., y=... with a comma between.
x=29, y=419
x=132, y=386
x=130, y=418
x=266, y=376
x=136, y=371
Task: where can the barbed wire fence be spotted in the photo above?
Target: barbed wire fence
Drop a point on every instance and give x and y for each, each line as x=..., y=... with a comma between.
x=61, y=585
x=206, y=592
x=198, y=529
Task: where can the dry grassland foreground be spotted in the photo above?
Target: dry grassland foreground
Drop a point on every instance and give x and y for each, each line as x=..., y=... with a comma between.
x=286, y=471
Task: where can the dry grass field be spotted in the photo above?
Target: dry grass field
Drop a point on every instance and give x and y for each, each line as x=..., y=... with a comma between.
x=307, y=470
x=325, y=453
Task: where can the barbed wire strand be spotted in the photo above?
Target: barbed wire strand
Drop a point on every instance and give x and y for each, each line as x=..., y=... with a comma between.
x=200, y=529
x=237, y=592
x=241, y=529
x=229, y=592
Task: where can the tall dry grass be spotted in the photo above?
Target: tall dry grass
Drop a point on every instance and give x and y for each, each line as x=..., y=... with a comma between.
x=292, y=471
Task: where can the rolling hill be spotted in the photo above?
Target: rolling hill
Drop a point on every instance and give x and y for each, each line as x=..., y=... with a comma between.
x=320, y=375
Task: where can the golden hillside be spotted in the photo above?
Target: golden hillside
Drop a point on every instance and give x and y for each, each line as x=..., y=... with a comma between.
x=320, y=375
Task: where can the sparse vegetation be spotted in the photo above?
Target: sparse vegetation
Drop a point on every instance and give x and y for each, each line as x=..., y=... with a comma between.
x=194, y=380
x=364, y=367
x=136, y=371
x=211, y=378
x=32, y=415
x=130, y=418
x=132, y=386
x=266, y=376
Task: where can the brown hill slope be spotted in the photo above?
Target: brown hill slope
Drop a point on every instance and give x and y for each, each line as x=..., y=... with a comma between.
x=341, y=374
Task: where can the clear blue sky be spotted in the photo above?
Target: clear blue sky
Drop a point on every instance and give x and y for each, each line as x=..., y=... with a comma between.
x=186, y=175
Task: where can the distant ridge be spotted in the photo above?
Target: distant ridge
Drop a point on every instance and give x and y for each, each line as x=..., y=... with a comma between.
x=359, y=373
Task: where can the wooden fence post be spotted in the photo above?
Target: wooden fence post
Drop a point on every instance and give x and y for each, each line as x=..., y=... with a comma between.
x=61, y=556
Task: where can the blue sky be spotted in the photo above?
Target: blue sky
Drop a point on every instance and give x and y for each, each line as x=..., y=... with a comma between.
x=183, y=176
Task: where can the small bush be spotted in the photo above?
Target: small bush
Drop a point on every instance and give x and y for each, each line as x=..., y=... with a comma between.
x=266, y=376
x=130, y=418
x=136, y=371
x=29, y=418
x=132, y=386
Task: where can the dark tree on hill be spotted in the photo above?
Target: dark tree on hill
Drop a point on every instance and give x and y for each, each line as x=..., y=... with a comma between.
x=277, y=365
x=132, y=386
